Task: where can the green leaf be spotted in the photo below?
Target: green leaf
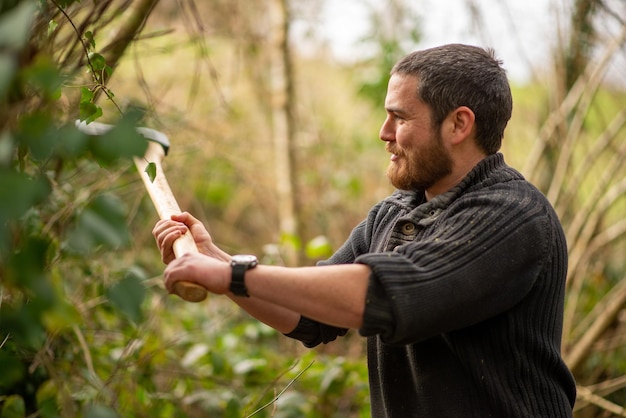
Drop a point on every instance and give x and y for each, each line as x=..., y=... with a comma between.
x=292, y=404
x=72, y=142
x=37, y=132
x=127, y=295
x=22, y=192
x=101, y=223
x=13, y=407
x=52, y=25
x=62, y=316
x=332, y=379
x=219, y=362
x=46, y=399
x=97, y=61
x=318, y=247
x=45, y=77
x=26, y=269
x=24, y=323
x=151, y=171
x=290, y=241
x=195, y=354
x=249, y=365
x=122, y=141
x=89, y=111
x=86, y=95
x=89, y=37
x=233, y=408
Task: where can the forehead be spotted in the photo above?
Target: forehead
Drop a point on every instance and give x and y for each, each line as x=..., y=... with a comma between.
x=402, y=94
x=403, y=81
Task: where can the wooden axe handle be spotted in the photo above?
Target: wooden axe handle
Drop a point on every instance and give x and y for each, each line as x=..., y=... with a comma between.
x=166, y=206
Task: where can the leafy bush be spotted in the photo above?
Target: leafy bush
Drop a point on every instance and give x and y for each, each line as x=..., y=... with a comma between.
x=86, y=328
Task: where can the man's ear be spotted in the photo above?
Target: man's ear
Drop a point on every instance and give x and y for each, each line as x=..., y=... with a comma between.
x=461, y=124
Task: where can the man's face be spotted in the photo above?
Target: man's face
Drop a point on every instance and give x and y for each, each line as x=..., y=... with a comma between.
x=419, y=157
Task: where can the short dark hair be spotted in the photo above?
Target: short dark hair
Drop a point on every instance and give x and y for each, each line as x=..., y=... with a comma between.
x=456, y=75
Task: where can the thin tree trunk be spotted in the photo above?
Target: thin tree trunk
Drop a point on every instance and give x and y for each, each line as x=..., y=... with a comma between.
x=281, y=88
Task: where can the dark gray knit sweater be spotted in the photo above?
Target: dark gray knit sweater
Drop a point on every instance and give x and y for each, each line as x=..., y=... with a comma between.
x=464, y=307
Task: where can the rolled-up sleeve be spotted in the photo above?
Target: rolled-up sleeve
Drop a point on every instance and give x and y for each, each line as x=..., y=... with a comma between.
x=312, y=333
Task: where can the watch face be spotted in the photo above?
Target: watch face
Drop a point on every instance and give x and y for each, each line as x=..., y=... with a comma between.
x=244, y=259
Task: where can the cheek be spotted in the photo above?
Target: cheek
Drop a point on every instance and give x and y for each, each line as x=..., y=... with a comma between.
x=405, y=138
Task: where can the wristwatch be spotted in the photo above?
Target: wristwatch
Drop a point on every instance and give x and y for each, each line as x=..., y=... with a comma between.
x=240, y=264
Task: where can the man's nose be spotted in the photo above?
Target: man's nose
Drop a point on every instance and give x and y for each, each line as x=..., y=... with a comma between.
x=387, y=133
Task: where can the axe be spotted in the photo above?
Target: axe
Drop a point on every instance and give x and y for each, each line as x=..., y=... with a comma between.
x=160, y=194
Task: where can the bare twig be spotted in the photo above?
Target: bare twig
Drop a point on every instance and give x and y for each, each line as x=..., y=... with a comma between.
x=282, y=391
x=592, y=398
x=605, y=313
x=608, y=386
x=599, y=199
x=602, y=144
x=589, y=80
x=5, y=340
x=85, y=350
x=581, y=252
x=196, y=28
x=585, y=225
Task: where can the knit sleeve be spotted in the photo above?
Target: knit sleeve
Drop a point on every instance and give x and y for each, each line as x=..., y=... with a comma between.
x=479, y=259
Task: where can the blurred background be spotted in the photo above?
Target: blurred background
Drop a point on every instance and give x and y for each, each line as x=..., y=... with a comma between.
x=272, y=109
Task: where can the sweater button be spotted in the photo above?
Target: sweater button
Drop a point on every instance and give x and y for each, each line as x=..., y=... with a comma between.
x=408, y=228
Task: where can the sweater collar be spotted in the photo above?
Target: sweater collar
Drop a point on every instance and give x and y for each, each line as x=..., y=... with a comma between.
x=482, y=174
x=491, y=169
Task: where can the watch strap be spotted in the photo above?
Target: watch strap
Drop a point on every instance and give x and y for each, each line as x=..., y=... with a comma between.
x=237, y=283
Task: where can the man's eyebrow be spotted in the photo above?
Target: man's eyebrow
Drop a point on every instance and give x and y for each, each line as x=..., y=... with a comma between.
x=396, y=110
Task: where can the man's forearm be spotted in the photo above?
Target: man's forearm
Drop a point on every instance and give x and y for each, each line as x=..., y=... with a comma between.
x=334, y=295
x=281, y=319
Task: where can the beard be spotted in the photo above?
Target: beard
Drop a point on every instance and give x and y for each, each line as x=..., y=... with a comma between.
x=419, y=169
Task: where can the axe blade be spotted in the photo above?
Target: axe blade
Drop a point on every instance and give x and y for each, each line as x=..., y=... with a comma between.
x=98, y=128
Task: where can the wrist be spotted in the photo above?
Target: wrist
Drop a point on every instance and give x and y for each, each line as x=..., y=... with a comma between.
x=240, y=264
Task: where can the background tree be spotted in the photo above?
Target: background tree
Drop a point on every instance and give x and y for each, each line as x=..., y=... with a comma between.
x=283, y=128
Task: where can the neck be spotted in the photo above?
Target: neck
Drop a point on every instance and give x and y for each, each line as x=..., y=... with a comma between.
x=463, y=163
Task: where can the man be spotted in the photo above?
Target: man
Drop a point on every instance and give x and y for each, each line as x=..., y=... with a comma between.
x=456, y=279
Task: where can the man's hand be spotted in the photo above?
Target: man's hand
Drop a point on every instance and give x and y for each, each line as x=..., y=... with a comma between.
x=167, y=231
x=212, y=274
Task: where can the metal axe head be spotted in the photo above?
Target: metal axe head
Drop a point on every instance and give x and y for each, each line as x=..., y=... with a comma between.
x=97, y=129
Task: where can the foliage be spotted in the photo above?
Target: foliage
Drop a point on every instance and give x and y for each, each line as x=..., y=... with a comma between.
x=84, y=330
x=54, y=215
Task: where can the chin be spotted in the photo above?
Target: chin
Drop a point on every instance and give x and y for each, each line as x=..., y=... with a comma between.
x=399, y=182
